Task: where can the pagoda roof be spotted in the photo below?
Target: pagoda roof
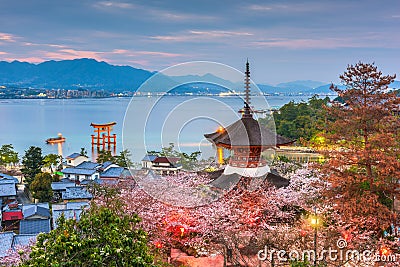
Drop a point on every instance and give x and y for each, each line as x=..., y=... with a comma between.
x=247, y=132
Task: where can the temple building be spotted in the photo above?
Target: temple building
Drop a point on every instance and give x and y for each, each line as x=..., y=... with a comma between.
x=246, y=139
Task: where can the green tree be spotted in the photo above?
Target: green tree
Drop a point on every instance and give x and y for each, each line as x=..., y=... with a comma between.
x=52, y=161
x=301, y=121
x=189, y=161
x=8, y=155
x=41, y=187
x=83, y=152
x=123, y=159
x=105, y=155
x=169, y=151
x=103, y=236
x=33, y=163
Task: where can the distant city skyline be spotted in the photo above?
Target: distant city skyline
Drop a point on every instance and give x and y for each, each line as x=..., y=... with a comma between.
x=284, y=40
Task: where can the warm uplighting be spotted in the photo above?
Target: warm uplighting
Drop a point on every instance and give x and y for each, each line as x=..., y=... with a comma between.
x=182, y=231
x=158, y=244
x=220, y=153
x=347, y=236
x=315, y=221
x=303, y=233
x=220, y=129
x=384, y=251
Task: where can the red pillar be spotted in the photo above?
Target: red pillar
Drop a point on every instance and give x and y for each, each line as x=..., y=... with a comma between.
x=98, y=137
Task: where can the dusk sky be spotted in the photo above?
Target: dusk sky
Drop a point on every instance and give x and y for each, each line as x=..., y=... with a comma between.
x=284, y=40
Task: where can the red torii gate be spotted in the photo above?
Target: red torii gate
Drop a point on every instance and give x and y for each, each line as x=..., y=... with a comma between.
x=103, y=135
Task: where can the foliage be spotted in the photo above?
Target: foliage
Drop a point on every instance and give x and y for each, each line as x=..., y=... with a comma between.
x=123, y=159
x=300, y=121
x=33, y=163
x=102, y=237
x=8, y=155
x=238, y=220
x=52, y=161
x=16, y=255
x=41, y=186
x=104, y=155
x=83, y=152
x=361, y=147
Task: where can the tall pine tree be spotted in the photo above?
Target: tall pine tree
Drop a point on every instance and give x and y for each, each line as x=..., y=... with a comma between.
x=32, y=162
x=362, y=148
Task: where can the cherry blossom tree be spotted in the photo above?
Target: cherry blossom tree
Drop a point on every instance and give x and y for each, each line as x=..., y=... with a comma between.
x=236, y=225
x=16, y=255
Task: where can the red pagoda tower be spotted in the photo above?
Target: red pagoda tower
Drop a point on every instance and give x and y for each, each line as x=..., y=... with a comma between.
x=247, y=139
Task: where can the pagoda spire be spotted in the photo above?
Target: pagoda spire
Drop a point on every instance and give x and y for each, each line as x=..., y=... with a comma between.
x=247, y=110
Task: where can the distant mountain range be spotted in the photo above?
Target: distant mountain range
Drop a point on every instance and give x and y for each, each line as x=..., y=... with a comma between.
x=72, y=74
x=94, y=75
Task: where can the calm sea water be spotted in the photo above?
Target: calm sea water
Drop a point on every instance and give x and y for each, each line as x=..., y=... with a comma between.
x=29, y=122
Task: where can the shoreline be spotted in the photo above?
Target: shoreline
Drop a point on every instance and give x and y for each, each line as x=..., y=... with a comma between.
x=172, y=95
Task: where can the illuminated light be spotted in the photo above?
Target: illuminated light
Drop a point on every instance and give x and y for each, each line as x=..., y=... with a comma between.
x=182, y=231
x=347, y=236
x=314, y=221
x=303, y=233
x=158, y=244
x=220, y=153
x=220, y=129
x=385, y=251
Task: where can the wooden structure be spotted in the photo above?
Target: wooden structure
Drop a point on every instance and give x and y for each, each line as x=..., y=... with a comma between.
x=56, y=140
x=103, y=137
x=246, y=138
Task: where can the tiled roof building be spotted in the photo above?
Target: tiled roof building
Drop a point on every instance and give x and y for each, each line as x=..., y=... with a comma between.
x=34, y=226
x=76, y=193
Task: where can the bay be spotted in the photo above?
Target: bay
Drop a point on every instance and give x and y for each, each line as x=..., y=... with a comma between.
x=29, y=122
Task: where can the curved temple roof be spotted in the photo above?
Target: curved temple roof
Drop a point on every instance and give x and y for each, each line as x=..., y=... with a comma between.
x=247, y=132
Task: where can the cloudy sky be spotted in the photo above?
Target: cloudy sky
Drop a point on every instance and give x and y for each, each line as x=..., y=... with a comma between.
x=284, y=40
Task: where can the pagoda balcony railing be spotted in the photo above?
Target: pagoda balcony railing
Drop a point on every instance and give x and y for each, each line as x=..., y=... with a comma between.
x=248, y=164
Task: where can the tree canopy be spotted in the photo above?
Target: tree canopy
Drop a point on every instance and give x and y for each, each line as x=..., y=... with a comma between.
x=41, y=186
x=33, y=163
x=52, y=161
x=300, y=121
x=83, y=152
x=102, y=237
x=361, y=148
x=123, y=159
x=8, y=155
x=104, y=155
